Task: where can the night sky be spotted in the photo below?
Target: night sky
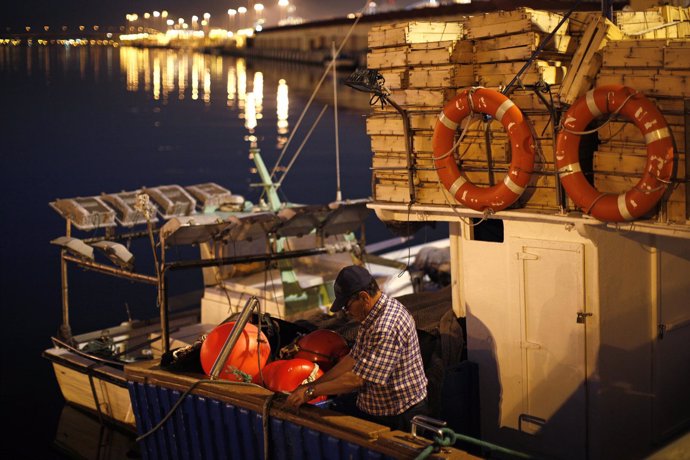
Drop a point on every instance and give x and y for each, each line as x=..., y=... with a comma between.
x=19, y=13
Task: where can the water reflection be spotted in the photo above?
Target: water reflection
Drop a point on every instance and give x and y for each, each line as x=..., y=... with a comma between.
x=202, y=78
x=282, y=105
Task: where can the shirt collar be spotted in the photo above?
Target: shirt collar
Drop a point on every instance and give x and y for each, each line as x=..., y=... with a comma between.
x=375, y=311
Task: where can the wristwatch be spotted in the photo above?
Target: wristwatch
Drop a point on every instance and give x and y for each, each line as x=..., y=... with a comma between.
x=309, y=392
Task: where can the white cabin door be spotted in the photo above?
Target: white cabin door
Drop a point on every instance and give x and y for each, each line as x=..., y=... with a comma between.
x=553, y=345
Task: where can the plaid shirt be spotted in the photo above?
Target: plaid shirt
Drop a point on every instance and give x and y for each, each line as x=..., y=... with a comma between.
x=388, y=358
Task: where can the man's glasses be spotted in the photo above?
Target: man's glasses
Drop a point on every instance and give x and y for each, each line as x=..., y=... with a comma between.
x=346, y=308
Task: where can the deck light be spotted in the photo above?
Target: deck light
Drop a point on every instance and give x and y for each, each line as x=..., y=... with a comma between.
x=75, y=246
x=117, y=253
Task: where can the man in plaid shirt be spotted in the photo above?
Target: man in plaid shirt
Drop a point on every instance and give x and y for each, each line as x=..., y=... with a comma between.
x=385, y=365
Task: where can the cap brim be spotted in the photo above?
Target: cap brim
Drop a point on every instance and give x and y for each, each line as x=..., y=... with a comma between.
x=338, y=304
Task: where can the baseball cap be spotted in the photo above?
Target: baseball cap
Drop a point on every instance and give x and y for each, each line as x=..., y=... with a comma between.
x=350, y=281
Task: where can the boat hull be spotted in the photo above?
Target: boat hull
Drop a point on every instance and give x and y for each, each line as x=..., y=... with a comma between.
x=222, y=421
x=99, y=388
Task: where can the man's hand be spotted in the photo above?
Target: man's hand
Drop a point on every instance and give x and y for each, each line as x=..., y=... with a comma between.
x=297, y=397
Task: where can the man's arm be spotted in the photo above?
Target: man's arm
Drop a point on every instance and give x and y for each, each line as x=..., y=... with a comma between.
x=340, y=379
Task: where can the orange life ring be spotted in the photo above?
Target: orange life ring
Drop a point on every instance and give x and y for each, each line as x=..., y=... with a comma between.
x=657, y=172
x=489, y=102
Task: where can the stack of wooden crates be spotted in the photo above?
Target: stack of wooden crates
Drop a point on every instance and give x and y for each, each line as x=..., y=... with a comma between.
x=425, y=64
x=654, y=59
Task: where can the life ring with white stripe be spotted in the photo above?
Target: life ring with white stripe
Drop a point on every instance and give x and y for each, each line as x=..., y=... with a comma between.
x=658, y=170
x=495, y=104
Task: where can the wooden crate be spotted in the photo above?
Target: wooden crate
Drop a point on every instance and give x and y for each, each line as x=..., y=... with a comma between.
x=501, y=73
x=387, y=58
x=384, y=124
x=587, y=58
x=624, y=162
x=529, y=40
x=513, y=22
x=439, y=53
x=446, y=76
x=435, y=98
x=649, y=81
x=659, y=22
x=666, y=53
x=414, y=32
x=397, y=78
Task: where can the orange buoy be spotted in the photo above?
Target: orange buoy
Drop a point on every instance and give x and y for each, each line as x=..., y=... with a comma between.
x=247, y=357
x=287, y=374
x=494, y=103
x=323, y=346
x=658, y=170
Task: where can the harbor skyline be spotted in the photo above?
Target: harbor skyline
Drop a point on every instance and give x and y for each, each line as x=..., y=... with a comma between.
x=73, y=13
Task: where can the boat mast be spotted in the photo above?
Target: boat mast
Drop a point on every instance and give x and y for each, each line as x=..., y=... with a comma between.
x=338, y=193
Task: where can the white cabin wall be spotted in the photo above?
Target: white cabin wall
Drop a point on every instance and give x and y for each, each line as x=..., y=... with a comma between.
x=620, y=398
x=636, y=385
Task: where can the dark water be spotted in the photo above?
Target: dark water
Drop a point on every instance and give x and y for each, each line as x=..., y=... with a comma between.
x=81, y=121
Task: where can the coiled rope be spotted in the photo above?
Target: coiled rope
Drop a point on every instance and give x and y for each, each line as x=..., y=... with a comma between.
x=449, y=438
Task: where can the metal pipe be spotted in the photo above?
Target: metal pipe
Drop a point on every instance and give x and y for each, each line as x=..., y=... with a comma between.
x=541, y=46
x=186, y=264
x=65, y=329
x=555, y=120
x=686, y=114
x=108, y=270
x=408, y=147
x=230, y=342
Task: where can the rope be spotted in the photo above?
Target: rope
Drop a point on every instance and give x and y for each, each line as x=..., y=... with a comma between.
x=181, y=400
x=608, y=120
x=449, y=438
x=485, y=216
x=318, y=85
x=266, y=427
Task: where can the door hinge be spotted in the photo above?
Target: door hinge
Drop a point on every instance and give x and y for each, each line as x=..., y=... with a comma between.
x=581, y=315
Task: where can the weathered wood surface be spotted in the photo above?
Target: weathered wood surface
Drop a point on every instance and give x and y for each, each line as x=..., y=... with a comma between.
x=587, y=58
x=414, y=32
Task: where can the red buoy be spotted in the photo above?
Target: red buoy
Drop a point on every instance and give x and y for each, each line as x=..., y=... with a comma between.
x=245, y=356
x=287, y=374
x=323, y=346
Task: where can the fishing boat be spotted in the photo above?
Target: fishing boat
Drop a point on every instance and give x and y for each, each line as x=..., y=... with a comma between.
x=575, y=310
x=285, y=254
